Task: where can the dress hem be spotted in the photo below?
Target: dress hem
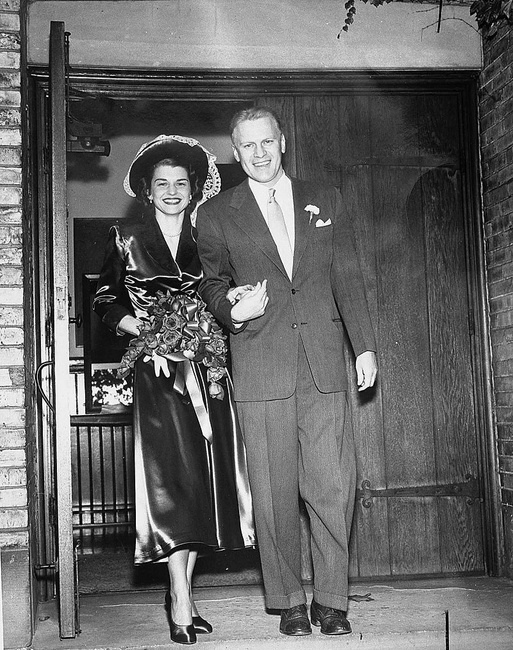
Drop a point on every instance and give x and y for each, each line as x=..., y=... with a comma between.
x=162, y=556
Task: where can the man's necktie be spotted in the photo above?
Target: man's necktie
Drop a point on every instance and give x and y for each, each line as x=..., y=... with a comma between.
x=278, y=230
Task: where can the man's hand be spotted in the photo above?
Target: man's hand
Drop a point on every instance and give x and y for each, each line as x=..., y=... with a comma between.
x=252, y=303
x=366, y=369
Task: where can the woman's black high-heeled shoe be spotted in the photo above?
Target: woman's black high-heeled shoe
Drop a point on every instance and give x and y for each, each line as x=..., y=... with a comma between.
x=201, y=625
x=184, y=634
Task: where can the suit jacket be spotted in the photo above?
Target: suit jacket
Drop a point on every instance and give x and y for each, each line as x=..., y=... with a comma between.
x=325, y=294
x=138, y=263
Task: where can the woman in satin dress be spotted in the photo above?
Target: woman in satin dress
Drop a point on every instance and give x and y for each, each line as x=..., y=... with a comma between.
x=191, y=482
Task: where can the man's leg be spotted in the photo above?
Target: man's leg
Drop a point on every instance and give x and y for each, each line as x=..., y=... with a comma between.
x=327, y=478
x=270, y=434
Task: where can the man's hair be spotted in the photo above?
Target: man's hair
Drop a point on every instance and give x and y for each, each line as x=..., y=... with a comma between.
x=254, y=113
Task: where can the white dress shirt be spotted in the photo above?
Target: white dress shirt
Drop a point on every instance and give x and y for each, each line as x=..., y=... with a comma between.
x=283, y=196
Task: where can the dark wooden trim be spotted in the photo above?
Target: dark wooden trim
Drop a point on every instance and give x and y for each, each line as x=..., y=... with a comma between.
x=481, y=352
x=224, y=85
x=102, y=419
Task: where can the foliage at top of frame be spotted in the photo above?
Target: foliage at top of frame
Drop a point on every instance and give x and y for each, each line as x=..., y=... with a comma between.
x=490, y=14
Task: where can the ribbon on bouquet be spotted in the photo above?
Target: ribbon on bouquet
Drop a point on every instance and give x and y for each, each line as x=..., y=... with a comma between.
x=185, y=377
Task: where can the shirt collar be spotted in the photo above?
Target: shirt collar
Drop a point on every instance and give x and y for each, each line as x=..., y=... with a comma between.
x=283, y=184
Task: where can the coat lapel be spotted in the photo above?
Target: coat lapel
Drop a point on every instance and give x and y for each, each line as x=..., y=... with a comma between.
x=153, y=241
x=249, y=218
x=187, y=252
x=303, y=228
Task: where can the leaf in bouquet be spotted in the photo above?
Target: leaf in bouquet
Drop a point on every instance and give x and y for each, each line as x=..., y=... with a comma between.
x=191, y=345
x=123, y=371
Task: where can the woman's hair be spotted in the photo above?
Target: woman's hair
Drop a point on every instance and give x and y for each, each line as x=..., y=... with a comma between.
x=144, y=185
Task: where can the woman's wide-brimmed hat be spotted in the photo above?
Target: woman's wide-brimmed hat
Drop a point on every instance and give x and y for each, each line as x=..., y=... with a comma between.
x=185, y=150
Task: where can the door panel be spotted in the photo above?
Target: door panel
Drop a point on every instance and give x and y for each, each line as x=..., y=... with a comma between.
x=68, y=613
x=396, y=160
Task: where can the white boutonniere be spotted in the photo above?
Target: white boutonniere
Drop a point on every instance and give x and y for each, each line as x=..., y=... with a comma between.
x=312, y=209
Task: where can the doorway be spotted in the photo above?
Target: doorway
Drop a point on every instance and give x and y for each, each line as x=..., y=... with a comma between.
x=101, y=428
x=402, y=152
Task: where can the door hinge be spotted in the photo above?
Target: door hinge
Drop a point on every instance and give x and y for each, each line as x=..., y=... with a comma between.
x=469, y=489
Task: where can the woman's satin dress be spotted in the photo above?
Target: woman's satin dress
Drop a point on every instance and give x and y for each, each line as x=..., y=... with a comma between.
x=188, y=490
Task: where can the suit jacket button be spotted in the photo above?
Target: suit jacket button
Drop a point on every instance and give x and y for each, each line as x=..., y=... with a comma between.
x=294, y=326
x=293, y=291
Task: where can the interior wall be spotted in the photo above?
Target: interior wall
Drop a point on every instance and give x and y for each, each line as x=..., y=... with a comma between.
x=261, y=34
x=95, y=183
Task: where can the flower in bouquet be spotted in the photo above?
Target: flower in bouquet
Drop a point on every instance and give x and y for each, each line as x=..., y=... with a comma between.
x=180, y=327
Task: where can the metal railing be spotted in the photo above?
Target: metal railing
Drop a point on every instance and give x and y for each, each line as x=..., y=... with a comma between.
x=103, y=480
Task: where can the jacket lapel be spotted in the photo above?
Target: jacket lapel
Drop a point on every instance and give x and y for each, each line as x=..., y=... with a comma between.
x=249, y=218
x=187, y=253
x=303, y=228
x=153, y=241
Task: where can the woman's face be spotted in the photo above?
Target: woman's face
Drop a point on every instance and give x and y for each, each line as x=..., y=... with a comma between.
x=170, y=190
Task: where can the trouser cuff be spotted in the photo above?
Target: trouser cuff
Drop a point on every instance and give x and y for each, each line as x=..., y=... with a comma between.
x=273, y=601
x=331, y=600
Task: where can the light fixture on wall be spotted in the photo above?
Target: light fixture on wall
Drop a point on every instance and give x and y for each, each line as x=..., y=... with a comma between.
x=86, y=137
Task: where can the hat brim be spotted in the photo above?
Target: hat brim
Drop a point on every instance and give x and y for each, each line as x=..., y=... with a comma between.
x=181, y=152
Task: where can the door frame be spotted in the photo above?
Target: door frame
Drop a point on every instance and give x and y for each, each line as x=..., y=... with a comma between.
x=198, y=85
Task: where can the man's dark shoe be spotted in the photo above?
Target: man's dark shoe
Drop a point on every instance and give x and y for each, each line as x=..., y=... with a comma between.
x=294, y=621
x=332, y=621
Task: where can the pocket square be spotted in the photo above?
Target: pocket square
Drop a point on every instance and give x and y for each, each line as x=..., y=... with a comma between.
x=320, y=223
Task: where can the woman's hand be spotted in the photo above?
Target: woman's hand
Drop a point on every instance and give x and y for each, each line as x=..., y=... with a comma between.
x=251, y=304
x=236, y=293
x=130, y=325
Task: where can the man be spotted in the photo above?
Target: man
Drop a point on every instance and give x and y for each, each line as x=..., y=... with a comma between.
x=290, y=253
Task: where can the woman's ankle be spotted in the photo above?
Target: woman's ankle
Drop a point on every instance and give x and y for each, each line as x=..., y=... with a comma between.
x=181, y=609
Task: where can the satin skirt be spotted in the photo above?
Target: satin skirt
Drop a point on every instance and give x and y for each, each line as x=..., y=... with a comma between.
x=187, y=490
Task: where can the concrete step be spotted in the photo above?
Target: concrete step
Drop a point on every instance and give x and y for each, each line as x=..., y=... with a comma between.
x=399, y=615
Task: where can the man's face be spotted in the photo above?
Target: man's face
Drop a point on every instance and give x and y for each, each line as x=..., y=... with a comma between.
x=258, y=145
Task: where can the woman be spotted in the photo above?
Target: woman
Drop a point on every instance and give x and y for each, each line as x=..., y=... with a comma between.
x=191, y=482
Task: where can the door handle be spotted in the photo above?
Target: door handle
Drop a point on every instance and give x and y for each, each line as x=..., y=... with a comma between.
x=78, y=320
x=37, y=376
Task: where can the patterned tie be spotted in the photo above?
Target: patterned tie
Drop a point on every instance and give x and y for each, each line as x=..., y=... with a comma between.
x=278, y=230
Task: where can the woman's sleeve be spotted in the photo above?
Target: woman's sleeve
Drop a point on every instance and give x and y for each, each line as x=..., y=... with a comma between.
x=111, y=300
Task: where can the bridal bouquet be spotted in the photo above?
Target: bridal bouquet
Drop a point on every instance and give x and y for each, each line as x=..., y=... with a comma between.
x=180, y=328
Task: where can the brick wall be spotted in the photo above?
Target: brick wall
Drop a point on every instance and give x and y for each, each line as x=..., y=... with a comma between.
x=496, y=118
x=14, y=521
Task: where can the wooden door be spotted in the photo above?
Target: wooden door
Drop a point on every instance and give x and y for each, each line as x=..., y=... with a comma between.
x=396, y=159
x=58, y=290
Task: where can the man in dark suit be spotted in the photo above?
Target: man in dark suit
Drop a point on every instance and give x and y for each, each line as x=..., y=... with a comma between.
x=282, y=274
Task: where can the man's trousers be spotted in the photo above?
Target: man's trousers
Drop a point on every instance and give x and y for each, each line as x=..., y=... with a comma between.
x=302, y=445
